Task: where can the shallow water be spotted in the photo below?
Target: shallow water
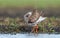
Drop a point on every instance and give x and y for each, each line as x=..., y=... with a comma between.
x=30, y=36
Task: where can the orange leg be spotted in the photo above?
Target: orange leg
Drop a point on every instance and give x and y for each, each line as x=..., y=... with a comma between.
x=35, y=28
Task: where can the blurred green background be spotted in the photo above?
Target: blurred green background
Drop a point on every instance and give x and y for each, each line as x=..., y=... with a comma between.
x=20, y=7
x=34, y=3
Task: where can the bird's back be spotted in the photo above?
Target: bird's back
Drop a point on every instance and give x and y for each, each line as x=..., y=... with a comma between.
x=35, y=15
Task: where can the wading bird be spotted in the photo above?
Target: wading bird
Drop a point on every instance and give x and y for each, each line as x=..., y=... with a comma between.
x=33, y=18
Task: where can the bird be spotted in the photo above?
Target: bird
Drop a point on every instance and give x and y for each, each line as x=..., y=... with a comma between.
x=34, y=17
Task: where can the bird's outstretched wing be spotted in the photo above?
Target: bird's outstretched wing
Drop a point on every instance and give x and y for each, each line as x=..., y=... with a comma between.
x=40, y=19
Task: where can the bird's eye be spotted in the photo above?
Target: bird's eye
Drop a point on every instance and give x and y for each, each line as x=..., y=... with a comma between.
x=27, y=15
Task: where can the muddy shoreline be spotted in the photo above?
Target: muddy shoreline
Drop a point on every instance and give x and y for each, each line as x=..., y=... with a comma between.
x=17, y=25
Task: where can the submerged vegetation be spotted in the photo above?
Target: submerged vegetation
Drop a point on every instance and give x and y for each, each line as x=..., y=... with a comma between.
x=17, y=25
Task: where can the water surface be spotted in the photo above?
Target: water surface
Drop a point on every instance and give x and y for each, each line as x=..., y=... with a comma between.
x=29, y=35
